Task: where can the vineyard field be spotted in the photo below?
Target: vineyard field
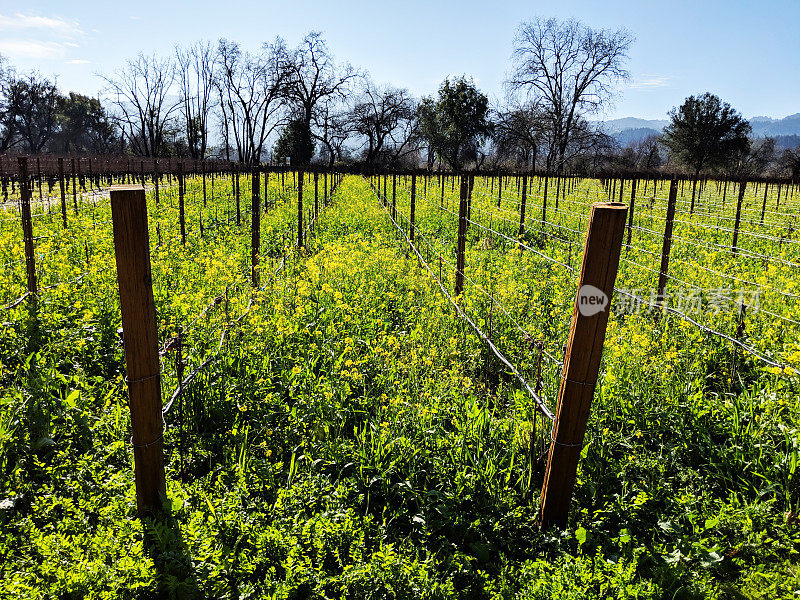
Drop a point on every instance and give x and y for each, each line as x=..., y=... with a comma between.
x=350, y=426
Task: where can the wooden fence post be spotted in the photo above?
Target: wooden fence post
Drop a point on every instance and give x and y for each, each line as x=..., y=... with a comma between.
x=300, y=177
x=266, y=191
x=742, y=187
x=413, y=205
x=316, y=195
x=394, y=196
x=461, y=240
x=256, y=229
x=203, y=166
x=544, y=202
x=27, y=226
x=235, y=183
x=156, y=177
x=63, y=191
x=522, y=206
x=499, y=190
x=140, y=340
x=582, y=358
x=764, y=204
x=630, y=213
x=181, y=213
x=74, y=187
x=667, y=243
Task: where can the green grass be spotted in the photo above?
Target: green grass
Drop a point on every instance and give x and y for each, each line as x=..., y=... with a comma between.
x=354, y=439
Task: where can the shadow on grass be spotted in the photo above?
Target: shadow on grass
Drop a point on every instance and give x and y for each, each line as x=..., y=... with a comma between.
x=175, y=576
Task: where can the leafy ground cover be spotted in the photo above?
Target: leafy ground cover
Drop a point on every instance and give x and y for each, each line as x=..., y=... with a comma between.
x=352, y=438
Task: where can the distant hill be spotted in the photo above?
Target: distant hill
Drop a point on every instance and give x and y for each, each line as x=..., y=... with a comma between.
x=763, y=126
x=787, y=141
x=631, y=129
x=615, y=126
x=633, y=135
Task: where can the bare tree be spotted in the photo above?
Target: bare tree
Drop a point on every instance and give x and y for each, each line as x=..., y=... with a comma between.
x=385, y=118
x=251, y=91
x=569, y=69
x=141, y=93
x=789, y=163
x=333, y=129
x=314, y=81
x=196, y=77
x=519, y=133
x=760, y=157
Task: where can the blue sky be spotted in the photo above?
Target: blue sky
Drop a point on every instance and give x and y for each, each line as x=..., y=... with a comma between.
x=746, y=52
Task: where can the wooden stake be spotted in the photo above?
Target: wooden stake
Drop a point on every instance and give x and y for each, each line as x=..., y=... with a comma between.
x=522, y=206
x=300, y=178
x=413, y=205
x=63, y=191
x=236, y=191
x=394, y=197
x=256, y=229
x=667, y=243
x=742, y=187
x=462, y=235
x=181, y=213
x=630, y=212
x=140, y=340
x=582, y=358
x=74, y=187
x=27, y=226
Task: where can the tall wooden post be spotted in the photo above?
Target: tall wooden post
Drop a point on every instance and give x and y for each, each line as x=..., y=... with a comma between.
x=582, y=359
x=256, y=230
x=742, y=187
x=181, y=213
x=236, y=191
x=203, y=167
x=461, y=240
x=300, y=177
x=74, y=187
x=764, y=204
x=156, y=177
x=394, y=196
x=140, y=340
x=522, y=206
x=63, y=191
x=316, y=195
x=630, y=211
x=667, y=243
x=544, y=203
x=413, y=204
x=499, y=190
x=27, y=225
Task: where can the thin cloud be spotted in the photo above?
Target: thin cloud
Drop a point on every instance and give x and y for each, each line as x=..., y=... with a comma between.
x=33, y=49
x=649, y=82
x=33, y=37
x=57, y=25
x=78, y=61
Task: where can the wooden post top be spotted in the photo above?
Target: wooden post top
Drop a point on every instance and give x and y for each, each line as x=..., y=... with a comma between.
x=610, y=205
x=126, y=188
